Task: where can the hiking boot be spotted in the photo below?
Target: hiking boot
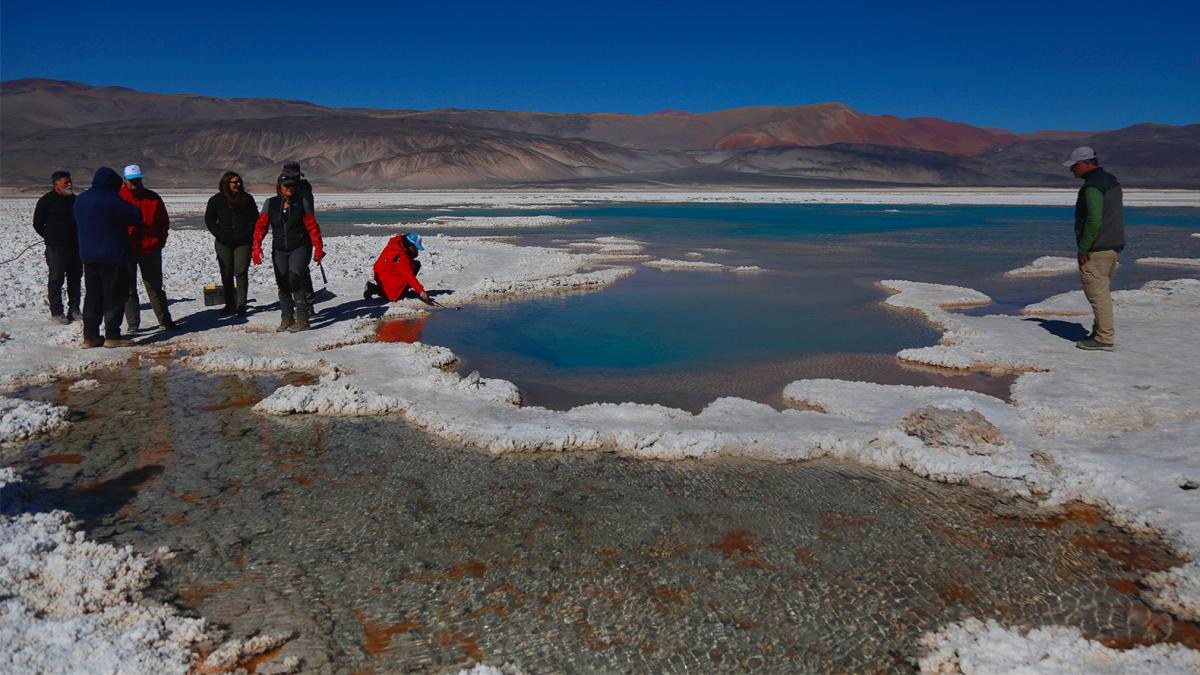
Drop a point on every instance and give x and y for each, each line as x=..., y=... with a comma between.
x=312, y=311
x=228, y=310
x=284, y=325
x=1093, y=344
x=241, y=311
x=117, y=342
x=371, y=290
x=73, y=314
x=59, y=319
x=299, y=326
x=89, y=343
x=169, y=325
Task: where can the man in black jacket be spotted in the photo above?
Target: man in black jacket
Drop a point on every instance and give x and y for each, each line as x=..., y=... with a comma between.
x=54, y=221
x=304, y=192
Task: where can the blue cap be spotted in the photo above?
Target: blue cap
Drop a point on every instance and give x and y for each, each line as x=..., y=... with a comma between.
x=414, y=239
x=133, y=171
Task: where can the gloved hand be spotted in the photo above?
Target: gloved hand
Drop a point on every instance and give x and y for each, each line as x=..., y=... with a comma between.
x=318, y=253
x=256, y=255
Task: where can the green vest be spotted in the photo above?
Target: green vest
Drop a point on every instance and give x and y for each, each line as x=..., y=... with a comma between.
x=1112, y=220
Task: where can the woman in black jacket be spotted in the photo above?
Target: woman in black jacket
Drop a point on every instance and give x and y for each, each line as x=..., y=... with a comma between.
x=295, y=239
x=230, y=217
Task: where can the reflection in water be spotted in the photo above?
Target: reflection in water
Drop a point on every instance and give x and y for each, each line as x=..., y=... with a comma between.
x=400, y=330
x=385, y=549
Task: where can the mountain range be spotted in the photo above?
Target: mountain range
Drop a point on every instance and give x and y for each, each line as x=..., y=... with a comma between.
x=187, y=141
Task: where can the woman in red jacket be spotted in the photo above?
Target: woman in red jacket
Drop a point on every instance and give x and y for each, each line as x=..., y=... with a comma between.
x=396, y=269
x=295, y=239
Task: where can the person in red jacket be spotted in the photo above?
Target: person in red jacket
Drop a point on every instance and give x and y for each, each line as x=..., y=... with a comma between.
x=147, y=239
x=295, y=239
x=396, y=269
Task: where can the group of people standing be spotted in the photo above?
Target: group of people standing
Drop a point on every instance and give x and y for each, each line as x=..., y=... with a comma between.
x=101, y=241
x=238, y=230
x=117, y=230
x=125, y=227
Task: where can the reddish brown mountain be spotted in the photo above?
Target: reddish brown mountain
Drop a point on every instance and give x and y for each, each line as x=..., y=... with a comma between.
x=758, y=127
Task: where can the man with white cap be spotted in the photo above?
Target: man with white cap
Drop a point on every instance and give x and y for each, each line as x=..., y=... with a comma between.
x=147, y=239
x=1099, y=239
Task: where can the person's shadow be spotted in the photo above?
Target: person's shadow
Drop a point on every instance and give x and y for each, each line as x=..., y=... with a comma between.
x=1067, y=330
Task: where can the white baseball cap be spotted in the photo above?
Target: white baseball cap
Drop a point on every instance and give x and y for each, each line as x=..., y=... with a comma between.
x=1081, y=154
x=133, y=171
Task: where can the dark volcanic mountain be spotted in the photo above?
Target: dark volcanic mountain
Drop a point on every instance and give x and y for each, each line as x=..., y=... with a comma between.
x=344, y=151
x=188, y=140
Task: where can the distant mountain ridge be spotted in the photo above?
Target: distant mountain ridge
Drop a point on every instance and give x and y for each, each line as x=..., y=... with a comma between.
x=186, y=140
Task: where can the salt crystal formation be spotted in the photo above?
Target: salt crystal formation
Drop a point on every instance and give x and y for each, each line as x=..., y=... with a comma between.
x=977, y=647
x=21, y=420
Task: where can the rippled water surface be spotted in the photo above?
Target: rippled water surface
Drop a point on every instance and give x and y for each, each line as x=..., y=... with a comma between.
x=387, y=550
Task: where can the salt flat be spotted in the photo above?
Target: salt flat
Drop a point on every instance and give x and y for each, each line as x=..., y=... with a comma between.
x=187, y=202
x=1113, y=429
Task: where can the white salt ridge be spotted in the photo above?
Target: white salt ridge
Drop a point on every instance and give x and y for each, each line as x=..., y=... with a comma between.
x=1044, y=266
x=21, y=420
x=1170, y=262
x=503, y=221
x=977, y=647
x=476, y=222
x=695, y=265
x=700, y=266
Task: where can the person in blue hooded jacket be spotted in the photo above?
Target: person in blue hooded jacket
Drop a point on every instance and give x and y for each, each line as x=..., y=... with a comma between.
x=103, y=221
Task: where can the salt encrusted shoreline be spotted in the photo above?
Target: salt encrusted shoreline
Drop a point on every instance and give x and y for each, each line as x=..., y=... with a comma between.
x=1124, y=448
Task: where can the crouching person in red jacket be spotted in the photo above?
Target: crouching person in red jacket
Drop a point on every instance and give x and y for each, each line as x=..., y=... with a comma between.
x=295, y=239
x=396, y=270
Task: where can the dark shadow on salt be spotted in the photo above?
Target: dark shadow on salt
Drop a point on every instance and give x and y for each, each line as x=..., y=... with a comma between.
x=1067, y=330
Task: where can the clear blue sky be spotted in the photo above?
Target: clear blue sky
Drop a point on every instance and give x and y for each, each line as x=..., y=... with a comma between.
x=1023, y=66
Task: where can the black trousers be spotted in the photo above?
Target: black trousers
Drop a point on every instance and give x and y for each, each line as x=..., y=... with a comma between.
x=63, y=264
x=107, y=288
x=235, y=264
x=151, y=267
x=293, y=280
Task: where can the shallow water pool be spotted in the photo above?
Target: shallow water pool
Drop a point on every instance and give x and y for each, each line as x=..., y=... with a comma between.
x=386, y=550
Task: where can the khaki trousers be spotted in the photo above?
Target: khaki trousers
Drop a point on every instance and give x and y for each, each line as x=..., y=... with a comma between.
x=1096, y=275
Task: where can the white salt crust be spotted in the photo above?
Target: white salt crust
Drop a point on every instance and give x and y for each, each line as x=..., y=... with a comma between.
x=477, y=222
x=1170, y=262
x=975, y=647
x=21, y=420
x=700, y=266
x=1046, y=266
x=69, y=605
x=1113, y=429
